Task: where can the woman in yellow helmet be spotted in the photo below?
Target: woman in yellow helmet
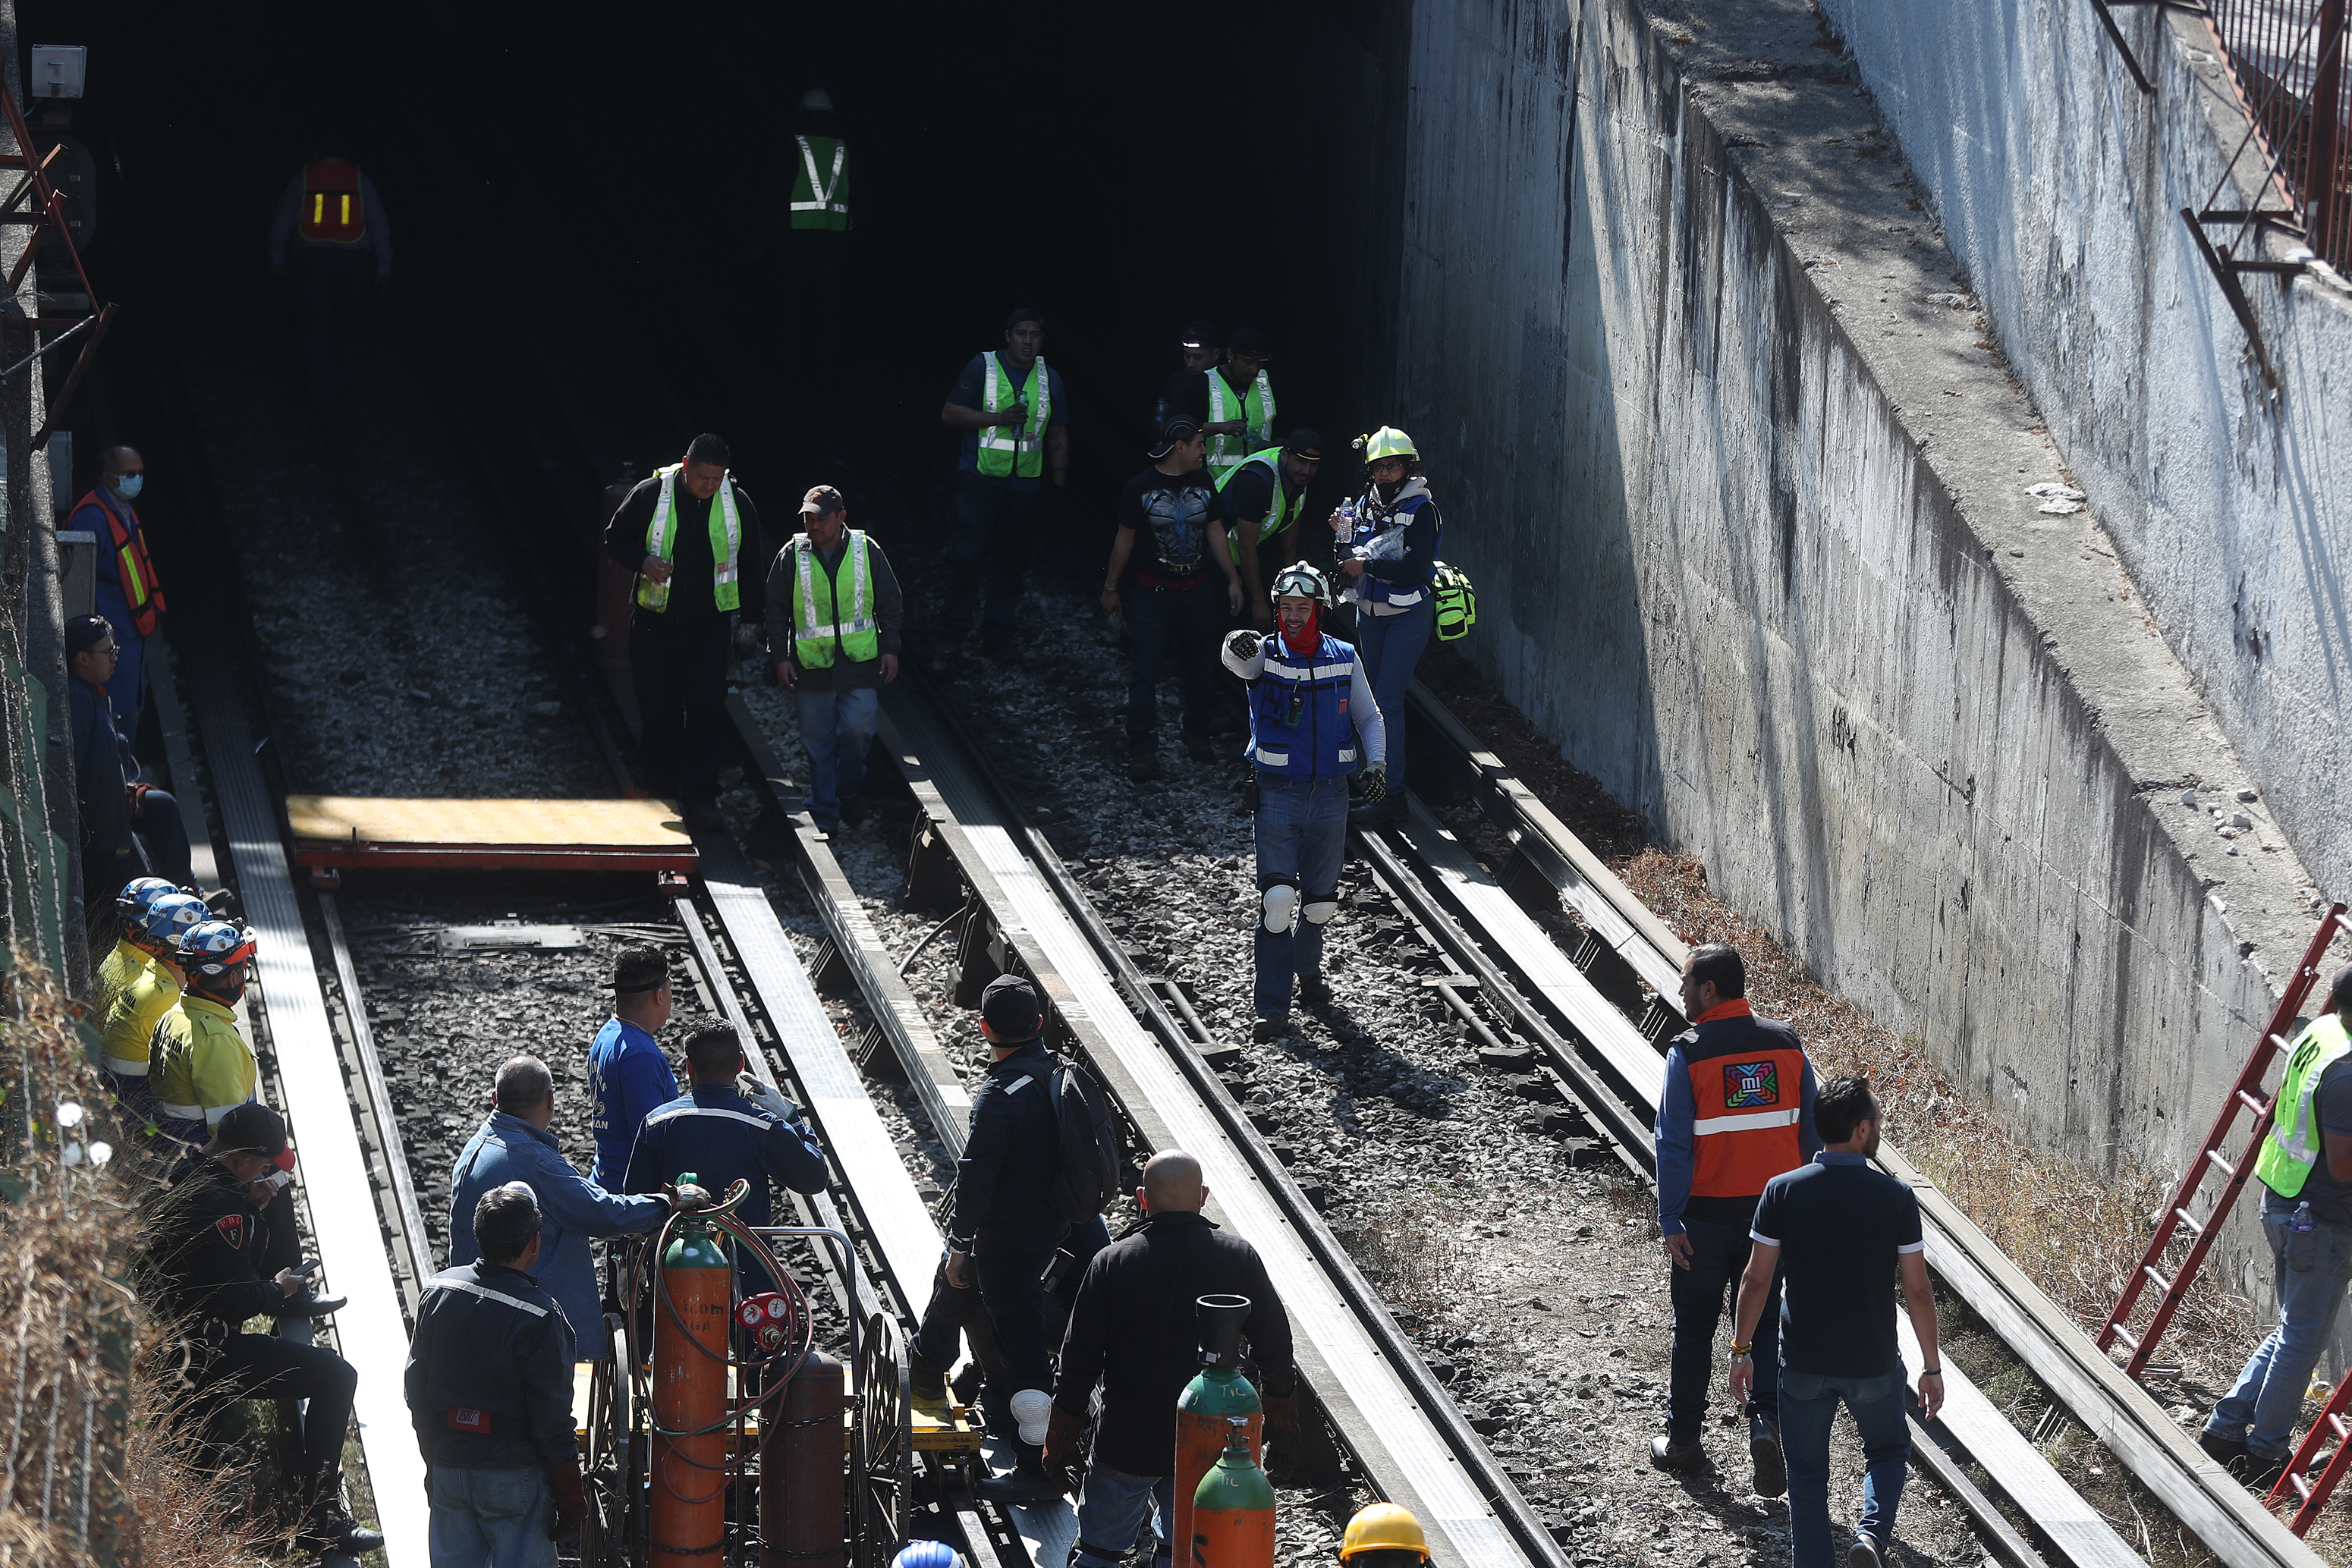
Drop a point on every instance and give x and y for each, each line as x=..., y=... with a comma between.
x=1387, y=542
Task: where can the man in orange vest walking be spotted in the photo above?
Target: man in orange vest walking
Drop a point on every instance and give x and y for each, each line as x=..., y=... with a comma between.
x=1736, y=1111
x=128, y=594
x=331, y=234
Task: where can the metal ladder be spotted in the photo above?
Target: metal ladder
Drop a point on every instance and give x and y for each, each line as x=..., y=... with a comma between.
x=2245, y=1094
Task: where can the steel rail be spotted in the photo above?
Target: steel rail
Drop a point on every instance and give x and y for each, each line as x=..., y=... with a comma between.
x=1390, y=1411
x=2228, y=1520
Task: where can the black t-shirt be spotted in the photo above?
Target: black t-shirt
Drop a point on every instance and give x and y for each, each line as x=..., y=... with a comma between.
x=2330, y=1200
x=1840, y=1225
x=1170, y=513
x=1187, y=393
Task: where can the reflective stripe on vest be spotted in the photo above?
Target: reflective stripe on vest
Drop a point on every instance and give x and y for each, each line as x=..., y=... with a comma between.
x=484, y=1292
x=1282, y=508
x=134, y=572
x=334, y=210
x=1256, y=412
x=2293, y=1145
x=726, y=542
x=1748, y=1105
x=817, y=629
x=824, y=194
x=1023, y=453
x=1373, y=521
x=1299, y=727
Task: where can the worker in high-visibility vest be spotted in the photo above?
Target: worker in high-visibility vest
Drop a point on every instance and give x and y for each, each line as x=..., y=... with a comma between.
x=1241, y=403
x=693, y=537
x=129, y=595
x=1017, y=436
x=836, y=649
x=817, y=206
x=331, y=236
x=2305, y=1166
x=1263, y=496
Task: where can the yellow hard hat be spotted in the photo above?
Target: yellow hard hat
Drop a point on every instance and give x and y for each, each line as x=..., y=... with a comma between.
x=1388, y=441
x=1383, y=1526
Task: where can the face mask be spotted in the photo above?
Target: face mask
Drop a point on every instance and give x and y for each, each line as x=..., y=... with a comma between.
x=130, y=484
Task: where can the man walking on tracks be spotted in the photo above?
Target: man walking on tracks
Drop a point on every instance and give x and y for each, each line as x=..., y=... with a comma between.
x=835, y=648
x=2305, y=1166
x=1736, y=1110
x=1839, y=1233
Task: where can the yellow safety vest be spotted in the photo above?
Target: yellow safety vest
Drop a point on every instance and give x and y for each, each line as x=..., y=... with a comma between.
x=1256, y=412
x=1008, y=451
x=726, y=542
x=817, y=630
x=2293, y=1145
x=132, y=1018
x=199, y=1067
x=1282, y=508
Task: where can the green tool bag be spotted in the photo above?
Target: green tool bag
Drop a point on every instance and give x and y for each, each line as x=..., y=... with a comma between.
x=1456, y=601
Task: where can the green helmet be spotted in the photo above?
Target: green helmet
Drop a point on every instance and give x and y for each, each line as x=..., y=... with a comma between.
x=1388, y=441
x=1300, y=580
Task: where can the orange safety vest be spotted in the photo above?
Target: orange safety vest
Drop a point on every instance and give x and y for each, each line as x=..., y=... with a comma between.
x=1749, y=1106
x=333, y=211
x=139, y=587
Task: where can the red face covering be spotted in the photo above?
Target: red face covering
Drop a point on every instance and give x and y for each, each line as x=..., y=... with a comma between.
x=1307, y=638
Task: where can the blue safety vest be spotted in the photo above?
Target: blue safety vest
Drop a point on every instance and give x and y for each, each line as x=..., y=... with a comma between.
x=1379, y=535
x=1299, y=727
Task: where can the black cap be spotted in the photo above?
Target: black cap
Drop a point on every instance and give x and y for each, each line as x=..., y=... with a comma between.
x=1010, y=1008
x=1305, y=442
x=250, y=1129
x=1202, y=335
x=1019, y=314
x=1176, y=427
x=84, y=632
x=1251, y=341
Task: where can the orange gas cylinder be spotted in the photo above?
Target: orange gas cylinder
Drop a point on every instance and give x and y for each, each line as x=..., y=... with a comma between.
x=1232, y=1513
x=1211, y=1402
x=693, y=1309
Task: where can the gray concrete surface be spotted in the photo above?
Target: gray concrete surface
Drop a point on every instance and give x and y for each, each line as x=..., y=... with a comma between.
x=1710, y=406
x=2061, y=185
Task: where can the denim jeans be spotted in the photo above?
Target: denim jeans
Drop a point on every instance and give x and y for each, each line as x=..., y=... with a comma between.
x=994, y=526
x=1302, y=834
x=1178, y=625
x=1808, y=1403
x=1391, y=645
x=490, y=1518
x=1111, y=1505
x=1719, y=1256
x=2310, y=1268
x=838, y=729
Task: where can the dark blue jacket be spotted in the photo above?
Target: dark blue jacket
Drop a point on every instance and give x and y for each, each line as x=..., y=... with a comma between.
x=489, y=1371
x=722, y=1138
x=1004, y=1181
x=103, y=769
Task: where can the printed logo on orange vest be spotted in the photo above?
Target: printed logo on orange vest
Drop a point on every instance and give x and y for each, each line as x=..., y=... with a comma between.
x=1747, y=1084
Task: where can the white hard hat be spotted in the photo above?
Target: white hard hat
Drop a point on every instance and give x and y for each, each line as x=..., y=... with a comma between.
x=817, y=100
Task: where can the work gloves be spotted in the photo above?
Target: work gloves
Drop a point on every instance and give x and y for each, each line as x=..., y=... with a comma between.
x=765, y=1097
x=1064, y=1468
x=570, y=1500
x=1282, y=1439
x=1375, y=783
x=1242, y=645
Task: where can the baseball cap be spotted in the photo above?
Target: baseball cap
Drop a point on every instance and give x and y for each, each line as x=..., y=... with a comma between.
x=1251, y=341
x=84, y=632
x=1306, y=443
x=1176, y=427
x=1010, y=1007
x=821, y=500
x=249, y=1129
x=1202, y=335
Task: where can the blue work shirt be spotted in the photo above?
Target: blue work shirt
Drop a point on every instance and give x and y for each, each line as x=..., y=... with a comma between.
x=724, y=1138
x=970, y=391
x=571, y=1210
x=628, y=1078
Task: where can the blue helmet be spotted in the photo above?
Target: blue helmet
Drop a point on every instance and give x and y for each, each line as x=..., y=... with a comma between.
x=216, y=948
x=136, y=895
x=171, y=916
x=928, y=1554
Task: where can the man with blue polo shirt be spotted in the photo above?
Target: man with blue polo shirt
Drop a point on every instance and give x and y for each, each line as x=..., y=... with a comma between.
x=1017, y=436
x=628, y=1076
x=1837, y=1234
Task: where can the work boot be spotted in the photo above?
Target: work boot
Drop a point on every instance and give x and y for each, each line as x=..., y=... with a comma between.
x=1025, y=1483
x=853, y=809
x=1198, y=747
x=2261, y=1474
x=1143, y=767
x=2225, y=1450
x=1270, y=1029
x=331, y=1528
x=1680, y=1457
x=926, y=1385
x=1388, y=810
x=1867, y=1551
x=966, y=1386
x=1314, y=991
x=1764, y=1448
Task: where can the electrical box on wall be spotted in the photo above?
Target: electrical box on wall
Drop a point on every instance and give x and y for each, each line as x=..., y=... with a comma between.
x=59, y=69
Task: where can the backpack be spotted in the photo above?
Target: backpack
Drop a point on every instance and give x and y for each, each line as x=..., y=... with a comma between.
x=1456, y=601
x=1094, y=1154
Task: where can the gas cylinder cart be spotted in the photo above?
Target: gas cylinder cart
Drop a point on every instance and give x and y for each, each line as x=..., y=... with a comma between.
x=721, y=1436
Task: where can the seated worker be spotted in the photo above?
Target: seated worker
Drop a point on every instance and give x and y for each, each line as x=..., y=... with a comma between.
x=133, y=1009
x=627, y=1074
x=203, y=1265
x=127, y=957
x=127, y=826
x=200, y=1068
x=489, y=1392
x=724, y=1133
x=1384, y=1535
x=514, y=1145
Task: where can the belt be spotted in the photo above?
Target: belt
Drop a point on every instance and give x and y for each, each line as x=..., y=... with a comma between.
x=1153, y=579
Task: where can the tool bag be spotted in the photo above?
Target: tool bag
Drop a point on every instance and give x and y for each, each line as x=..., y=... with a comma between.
x=1094, y=1154
x=1457, y=602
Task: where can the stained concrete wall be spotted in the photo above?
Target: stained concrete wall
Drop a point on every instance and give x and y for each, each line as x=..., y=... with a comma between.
x=2061, y=185
x=1743, y=498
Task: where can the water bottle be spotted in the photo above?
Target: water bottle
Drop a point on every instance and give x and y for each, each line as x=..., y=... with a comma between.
x=2302, y=1221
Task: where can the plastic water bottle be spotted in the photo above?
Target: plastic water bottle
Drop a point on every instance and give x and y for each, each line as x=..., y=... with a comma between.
x=2302, y=1221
